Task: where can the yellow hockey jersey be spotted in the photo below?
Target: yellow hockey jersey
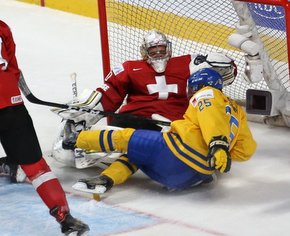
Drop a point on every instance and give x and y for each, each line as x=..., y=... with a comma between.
x=210, y=113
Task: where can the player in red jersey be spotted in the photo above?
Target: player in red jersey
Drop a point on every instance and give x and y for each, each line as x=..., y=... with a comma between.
x=19, y=140
x=149, y=90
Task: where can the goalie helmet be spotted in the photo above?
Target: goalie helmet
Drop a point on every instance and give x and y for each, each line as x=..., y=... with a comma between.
x=221, y=63
x=156, y=50
x=202, y=78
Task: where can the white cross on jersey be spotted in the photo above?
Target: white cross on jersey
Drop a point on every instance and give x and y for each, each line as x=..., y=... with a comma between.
x=161, y=87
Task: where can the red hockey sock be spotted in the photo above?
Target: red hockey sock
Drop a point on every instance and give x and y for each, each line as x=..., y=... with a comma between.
x=46, y=184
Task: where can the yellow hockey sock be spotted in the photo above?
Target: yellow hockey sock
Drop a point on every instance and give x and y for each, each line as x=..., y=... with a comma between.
x=105, y=140
x=98, y=140
x=120, y=170
x=121, y=139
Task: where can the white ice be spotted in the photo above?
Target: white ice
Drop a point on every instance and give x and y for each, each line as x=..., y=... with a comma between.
x=252, y=200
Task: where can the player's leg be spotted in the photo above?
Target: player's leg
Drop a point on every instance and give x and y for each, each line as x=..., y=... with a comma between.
x=117, y=173
x=121, y=169
x=106, y=141
x=150, y=153
x=21, y=145
x=148, y=150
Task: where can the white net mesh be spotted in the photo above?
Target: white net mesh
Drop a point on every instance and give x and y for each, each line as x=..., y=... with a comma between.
x=197, y=26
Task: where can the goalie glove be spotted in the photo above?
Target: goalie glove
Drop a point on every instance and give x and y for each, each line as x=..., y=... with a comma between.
x=217, y=61
x=89, y=99
x=218, y=155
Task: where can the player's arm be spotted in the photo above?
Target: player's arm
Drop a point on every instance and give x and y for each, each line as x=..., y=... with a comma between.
x=115, y=88
x=215, y=127
x=211, y=115
x=245, y=144
x=11, y=57
x=218, y=155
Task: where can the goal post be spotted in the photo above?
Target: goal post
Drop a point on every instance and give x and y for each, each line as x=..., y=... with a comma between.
x=205, y=26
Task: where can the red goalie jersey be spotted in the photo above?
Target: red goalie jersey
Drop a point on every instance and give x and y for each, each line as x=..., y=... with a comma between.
x=9, y=72
x=147, y=91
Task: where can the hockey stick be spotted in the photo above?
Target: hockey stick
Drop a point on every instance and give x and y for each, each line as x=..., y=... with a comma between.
x=31, y=98
x=73, y=78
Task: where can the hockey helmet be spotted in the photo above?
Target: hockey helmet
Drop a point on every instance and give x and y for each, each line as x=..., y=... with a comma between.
x=202, y=78
x=156, y=50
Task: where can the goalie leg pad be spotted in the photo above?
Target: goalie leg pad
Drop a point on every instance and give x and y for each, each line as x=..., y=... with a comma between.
x=84, y=159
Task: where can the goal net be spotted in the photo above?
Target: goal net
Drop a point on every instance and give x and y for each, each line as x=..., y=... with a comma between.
x=200, y=26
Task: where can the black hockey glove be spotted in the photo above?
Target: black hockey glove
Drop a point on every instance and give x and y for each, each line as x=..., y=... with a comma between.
x=218, y=155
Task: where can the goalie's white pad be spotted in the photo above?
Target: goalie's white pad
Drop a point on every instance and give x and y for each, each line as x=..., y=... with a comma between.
x=243, y=40
x=89, y=99
x=85, y=159
x=244, y=43
x=253, y=70
x=61, y=155
x=254, y=66
x=79, y=158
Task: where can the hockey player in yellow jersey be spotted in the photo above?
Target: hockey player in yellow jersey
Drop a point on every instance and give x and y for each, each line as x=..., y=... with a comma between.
x=213, y=133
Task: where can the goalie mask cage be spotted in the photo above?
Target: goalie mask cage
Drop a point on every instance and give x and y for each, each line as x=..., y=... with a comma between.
x=200, y=26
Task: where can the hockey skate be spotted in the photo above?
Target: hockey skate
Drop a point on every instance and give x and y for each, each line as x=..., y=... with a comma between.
x=98, y=184
x=14, y=171
x=69, y=225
